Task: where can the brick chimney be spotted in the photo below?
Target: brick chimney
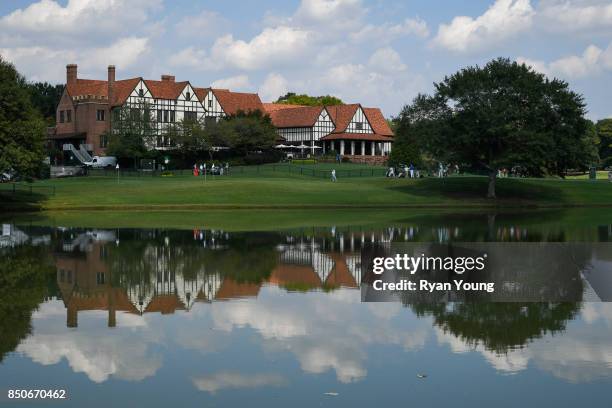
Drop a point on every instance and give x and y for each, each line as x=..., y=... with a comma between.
x=111, y=94
x=168, y=78
x=71, y=73
x=111, y=82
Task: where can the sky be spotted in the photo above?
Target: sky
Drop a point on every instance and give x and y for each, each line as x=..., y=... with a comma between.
x=375, y=52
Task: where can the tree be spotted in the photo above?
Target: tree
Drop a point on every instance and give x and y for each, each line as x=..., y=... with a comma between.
x=22, y=130
x=133, y=133
x=25, y=274
x=248, y=132
x=499, y=116
x=45, y=98
x=307, y=100
x=604, y=134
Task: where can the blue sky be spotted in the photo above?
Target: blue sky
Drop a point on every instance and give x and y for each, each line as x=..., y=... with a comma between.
x=379, y=53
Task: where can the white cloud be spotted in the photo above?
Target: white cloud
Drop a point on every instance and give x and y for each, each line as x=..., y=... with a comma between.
x=504, y=19
x=563, y=15
x=124, y=53
x=273, y=46
x=233, y=380
x=236, y=83
x=93, y=20
x=189, y=57
x=387, y=59
x=334, y=14
x=388, y=32
x=202, y=25
x=274, y=85
x=593, y=61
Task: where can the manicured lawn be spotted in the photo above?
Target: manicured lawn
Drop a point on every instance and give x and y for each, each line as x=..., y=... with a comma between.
x=295, y=191
x=601, y=175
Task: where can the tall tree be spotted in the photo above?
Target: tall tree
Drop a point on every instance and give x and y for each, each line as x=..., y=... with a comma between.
x=502, y=115
x=22, y=129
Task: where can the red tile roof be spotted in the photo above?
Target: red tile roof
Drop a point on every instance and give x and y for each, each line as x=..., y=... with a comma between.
x=165, y=89
x=358, y=136
x=342, y=115
x=232, y=102
x=123, y=89
x=87, y=87
x=304, y=116
x=201, y=93
x=378, y=122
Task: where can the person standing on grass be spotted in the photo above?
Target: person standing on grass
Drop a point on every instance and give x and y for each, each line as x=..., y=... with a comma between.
x=333, y=175
x=411, y=171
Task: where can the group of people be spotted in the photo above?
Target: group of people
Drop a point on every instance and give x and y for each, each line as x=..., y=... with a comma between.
x=202, y=170
x=404, y=171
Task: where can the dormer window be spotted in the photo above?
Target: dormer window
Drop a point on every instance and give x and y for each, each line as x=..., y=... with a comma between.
x=188, y=95
x=141, y=92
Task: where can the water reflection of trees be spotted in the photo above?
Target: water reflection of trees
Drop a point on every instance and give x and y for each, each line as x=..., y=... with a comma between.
x=499, y=326
x=26, y=279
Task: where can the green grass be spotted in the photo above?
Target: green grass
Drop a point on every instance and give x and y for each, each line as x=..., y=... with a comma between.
x=601, y=175
x=277, y=190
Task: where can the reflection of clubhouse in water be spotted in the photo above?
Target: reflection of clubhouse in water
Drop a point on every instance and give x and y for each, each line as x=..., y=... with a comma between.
x=172, y=277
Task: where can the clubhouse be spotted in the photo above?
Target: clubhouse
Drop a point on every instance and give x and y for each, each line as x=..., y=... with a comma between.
x=89, y=110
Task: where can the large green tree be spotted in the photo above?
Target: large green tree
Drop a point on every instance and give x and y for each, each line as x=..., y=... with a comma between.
x=604, y=134
x=45, y=98
x=22, y=130
x=499, y=116
x=248, y=132
x=307, y=100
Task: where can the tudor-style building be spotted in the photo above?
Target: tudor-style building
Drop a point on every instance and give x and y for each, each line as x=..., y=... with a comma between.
x=355, y=132
x=89, y=110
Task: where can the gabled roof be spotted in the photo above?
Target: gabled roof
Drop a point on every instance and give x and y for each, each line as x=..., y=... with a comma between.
x=232, y=102
x=300, y=116
x=342, y=115
x=165, y=89
x=377, y=121
x=201, y=93
x=123, y=89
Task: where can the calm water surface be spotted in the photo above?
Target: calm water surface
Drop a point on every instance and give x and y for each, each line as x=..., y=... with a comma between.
x=158, y=317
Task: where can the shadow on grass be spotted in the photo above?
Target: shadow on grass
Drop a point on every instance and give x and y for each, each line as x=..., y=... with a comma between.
x=475, y=188
x=20, y=201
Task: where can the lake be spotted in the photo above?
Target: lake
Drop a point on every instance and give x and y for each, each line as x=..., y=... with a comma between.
x=224, y=314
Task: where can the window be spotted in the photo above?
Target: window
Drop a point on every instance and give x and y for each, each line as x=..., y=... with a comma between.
x=210, y=105
x=172, y=116
x=103, y=141
x=62, y=275
x=141, y=92
x=116, y=115
x=68, y=116
x=188, y=96
x=359, y=126
x=166, y=116
x=62, y=117
x=159, y=115
x=191, y=116
x=99, y=115
x=100, y=278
